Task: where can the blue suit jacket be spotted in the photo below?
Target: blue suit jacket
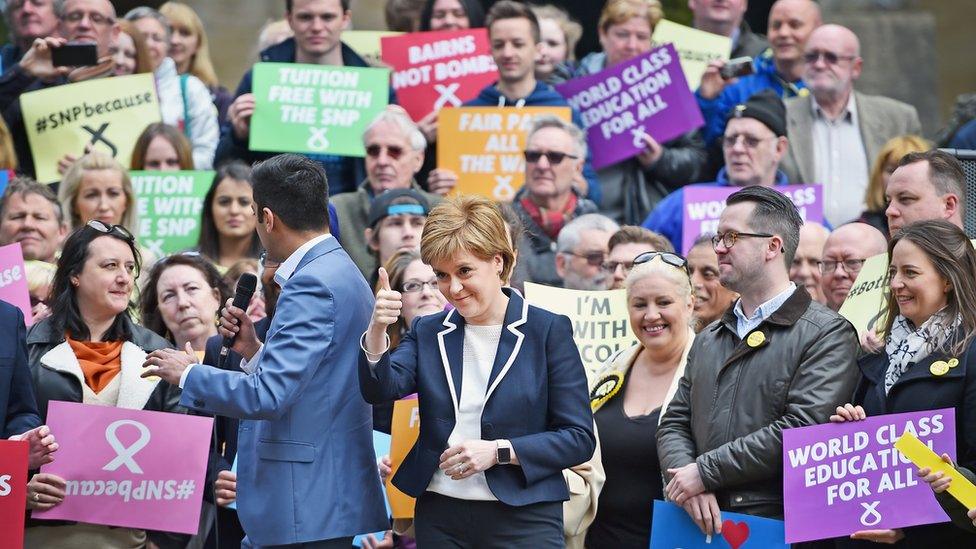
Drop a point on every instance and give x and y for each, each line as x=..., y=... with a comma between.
x=536, y=399
x=16, y=390
x=305, y=464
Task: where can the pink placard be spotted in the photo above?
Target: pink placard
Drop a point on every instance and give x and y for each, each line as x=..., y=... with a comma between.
x=13, y=280
x=129, y=468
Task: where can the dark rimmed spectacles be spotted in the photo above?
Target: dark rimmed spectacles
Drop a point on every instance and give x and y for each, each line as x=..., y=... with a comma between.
x=393, y=152
x=105, y=228
x=850, y=266
x=830, y=57
x=729, y=238
x=416, y=286
x=554, y=158
x=593, y=259
x=672, y=259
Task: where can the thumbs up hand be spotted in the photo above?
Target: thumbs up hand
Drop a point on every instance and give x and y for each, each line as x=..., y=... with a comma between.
x=386, y=311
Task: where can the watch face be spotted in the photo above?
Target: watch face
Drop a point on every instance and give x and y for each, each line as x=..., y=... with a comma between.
x=504, y=455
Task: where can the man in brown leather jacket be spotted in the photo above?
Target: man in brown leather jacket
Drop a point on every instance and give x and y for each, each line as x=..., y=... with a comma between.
x=775, y=360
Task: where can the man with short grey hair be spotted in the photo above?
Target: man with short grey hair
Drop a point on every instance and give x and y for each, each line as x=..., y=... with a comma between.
x=844, y=253
x=394, y=154
x=581, y=249
x=31, y=215
x=554, y=154
x=27, y=20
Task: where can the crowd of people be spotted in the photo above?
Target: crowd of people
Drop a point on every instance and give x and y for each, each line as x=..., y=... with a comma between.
x=379, y=282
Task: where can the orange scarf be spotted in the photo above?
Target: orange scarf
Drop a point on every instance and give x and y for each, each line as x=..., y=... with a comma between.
x=99, y=361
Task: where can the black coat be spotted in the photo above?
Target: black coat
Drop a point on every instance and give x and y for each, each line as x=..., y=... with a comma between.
x=918, y=389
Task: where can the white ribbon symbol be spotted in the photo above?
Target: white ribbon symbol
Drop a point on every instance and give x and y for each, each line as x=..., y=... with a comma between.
x=639, y=137
x=447, y=95
x=871, y=516
x=317, y=141
x=124, y=455
x=503, y=190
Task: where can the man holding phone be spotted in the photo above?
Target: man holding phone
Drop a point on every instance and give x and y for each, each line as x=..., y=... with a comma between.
x=79, y=22
x=27, y=20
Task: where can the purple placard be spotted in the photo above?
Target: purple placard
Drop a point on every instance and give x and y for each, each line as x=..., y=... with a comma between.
x=840, y=478
x=703, y=205
x=648, y=94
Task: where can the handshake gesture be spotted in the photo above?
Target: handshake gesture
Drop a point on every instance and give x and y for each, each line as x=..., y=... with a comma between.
x=386, y=311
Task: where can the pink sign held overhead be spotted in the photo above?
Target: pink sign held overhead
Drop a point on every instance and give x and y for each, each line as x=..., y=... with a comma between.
x=13, y=280
x=129, y=468
x=432, y=70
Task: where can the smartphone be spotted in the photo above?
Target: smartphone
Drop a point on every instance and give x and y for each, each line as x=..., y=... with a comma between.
x=74, y=55
x=734, y=68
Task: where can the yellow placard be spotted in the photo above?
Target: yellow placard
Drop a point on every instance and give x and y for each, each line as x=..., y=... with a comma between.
x=601, y=324
x=484, y=145
x=922, y=456
x=405, y=429
x=108, y=113
x=367, y=43
x=865, y=303
x=695, y=48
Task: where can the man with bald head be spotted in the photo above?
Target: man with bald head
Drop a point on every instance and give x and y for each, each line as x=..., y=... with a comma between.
x=805, y=269
x=779, y=69
x=79, y=21
x=837, y=132
x=925, y=185
x=845, y=252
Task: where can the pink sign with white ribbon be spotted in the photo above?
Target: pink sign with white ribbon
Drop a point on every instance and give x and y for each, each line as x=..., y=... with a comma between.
x=129, y=468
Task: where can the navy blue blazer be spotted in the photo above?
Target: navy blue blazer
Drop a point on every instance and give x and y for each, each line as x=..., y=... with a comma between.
x=17, y=400
x=536, y=399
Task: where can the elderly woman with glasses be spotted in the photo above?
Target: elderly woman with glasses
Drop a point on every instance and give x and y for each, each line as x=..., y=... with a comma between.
x=90, y=351
x=631, y=392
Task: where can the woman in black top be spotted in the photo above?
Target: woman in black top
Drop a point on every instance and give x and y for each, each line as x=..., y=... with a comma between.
x=632, y=392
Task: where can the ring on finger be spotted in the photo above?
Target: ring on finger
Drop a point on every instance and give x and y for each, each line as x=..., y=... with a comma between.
x=37, y=496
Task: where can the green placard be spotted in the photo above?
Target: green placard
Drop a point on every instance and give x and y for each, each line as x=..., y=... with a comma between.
x=315, y=109
x=169, y=206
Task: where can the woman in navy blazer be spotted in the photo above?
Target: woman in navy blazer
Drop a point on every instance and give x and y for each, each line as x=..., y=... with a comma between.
x=502, y=390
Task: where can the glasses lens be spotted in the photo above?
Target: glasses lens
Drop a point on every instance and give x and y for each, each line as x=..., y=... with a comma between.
x=373, y=150
x=394, y=152
x=555, y=157
x=532, y=156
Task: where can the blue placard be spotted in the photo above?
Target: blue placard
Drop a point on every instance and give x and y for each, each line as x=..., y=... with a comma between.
x=381, y=445
x=4, y=179
x=233, y=469
x=672, y=528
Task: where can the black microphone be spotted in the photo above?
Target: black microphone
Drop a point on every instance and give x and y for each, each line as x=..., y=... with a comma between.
x=246, y=285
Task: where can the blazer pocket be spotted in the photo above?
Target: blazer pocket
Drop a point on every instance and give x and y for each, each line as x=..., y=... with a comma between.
x=284, y=450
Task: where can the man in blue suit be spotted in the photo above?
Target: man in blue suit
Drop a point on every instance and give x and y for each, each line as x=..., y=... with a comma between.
x=306, y=475
x=18, y=407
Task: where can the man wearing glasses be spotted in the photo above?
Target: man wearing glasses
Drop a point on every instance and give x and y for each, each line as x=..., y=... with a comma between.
x=845, y=252
x=753, y=145
x=554, y=154
x=838, y=132
x=79, y=21
x=775, y=360
x=581, y=251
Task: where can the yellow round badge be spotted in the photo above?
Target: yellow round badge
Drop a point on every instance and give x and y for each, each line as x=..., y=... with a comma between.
x=939, y=368
x=953, y=362
x=756, y=339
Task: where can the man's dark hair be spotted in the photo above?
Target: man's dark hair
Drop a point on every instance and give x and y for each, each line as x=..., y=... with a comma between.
x=945, y=171
x=24, y=186
x=343, y=3
x=294, y=187
x=774, y=213
x=507, y=9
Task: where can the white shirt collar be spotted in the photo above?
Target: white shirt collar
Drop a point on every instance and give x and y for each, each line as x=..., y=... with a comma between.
x=288, y=266
x=849, y=111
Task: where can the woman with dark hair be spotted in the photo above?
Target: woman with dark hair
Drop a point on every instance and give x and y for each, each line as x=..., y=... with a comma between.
x=929, y=358
x=90, y=351
x=161, y=147
x=227, y=223
x=451, y=15
x=182, y=298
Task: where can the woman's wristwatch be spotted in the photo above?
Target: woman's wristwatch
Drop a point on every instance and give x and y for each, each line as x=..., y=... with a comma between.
x=503, y=452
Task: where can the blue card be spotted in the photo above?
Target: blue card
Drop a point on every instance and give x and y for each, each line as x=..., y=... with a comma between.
x=673, y=529
x=233, y=469
x=381, y=445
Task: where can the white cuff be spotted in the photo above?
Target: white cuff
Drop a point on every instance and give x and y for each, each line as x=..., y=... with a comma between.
x=184, y=374
x=252, y=366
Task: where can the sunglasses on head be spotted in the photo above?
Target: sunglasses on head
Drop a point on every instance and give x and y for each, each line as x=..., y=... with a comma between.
x=105, y=228
x=394, y=152
x=672, y=259
x=553, y=157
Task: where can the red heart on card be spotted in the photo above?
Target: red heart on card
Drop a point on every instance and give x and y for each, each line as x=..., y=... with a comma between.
x=735, y=533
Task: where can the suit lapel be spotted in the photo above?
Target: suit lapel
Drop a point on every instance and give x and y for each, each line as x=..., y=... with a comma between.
x=450, y=340
x=511, y=340
x=801, y=139
x=870, y=126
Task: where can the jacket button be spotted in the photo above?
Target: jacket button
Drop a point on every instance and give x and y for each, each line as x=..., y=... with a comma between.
x=738, y=499
x=488, y=428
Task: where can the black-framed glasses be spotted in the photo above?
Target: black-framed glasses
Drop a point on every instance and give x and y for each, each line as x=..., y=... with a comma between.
x=553, y=157
x=105, y=228
x=415, y=286
x=611, y=266
x=670, y=258
x=850, y=266
x=830, y=57
x=593, y=259
x=729, y=238
x=393, y=151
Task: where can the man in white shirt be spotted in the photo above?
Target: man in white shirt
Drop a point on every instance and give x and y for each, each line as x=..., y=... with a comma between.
x=835, y=132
